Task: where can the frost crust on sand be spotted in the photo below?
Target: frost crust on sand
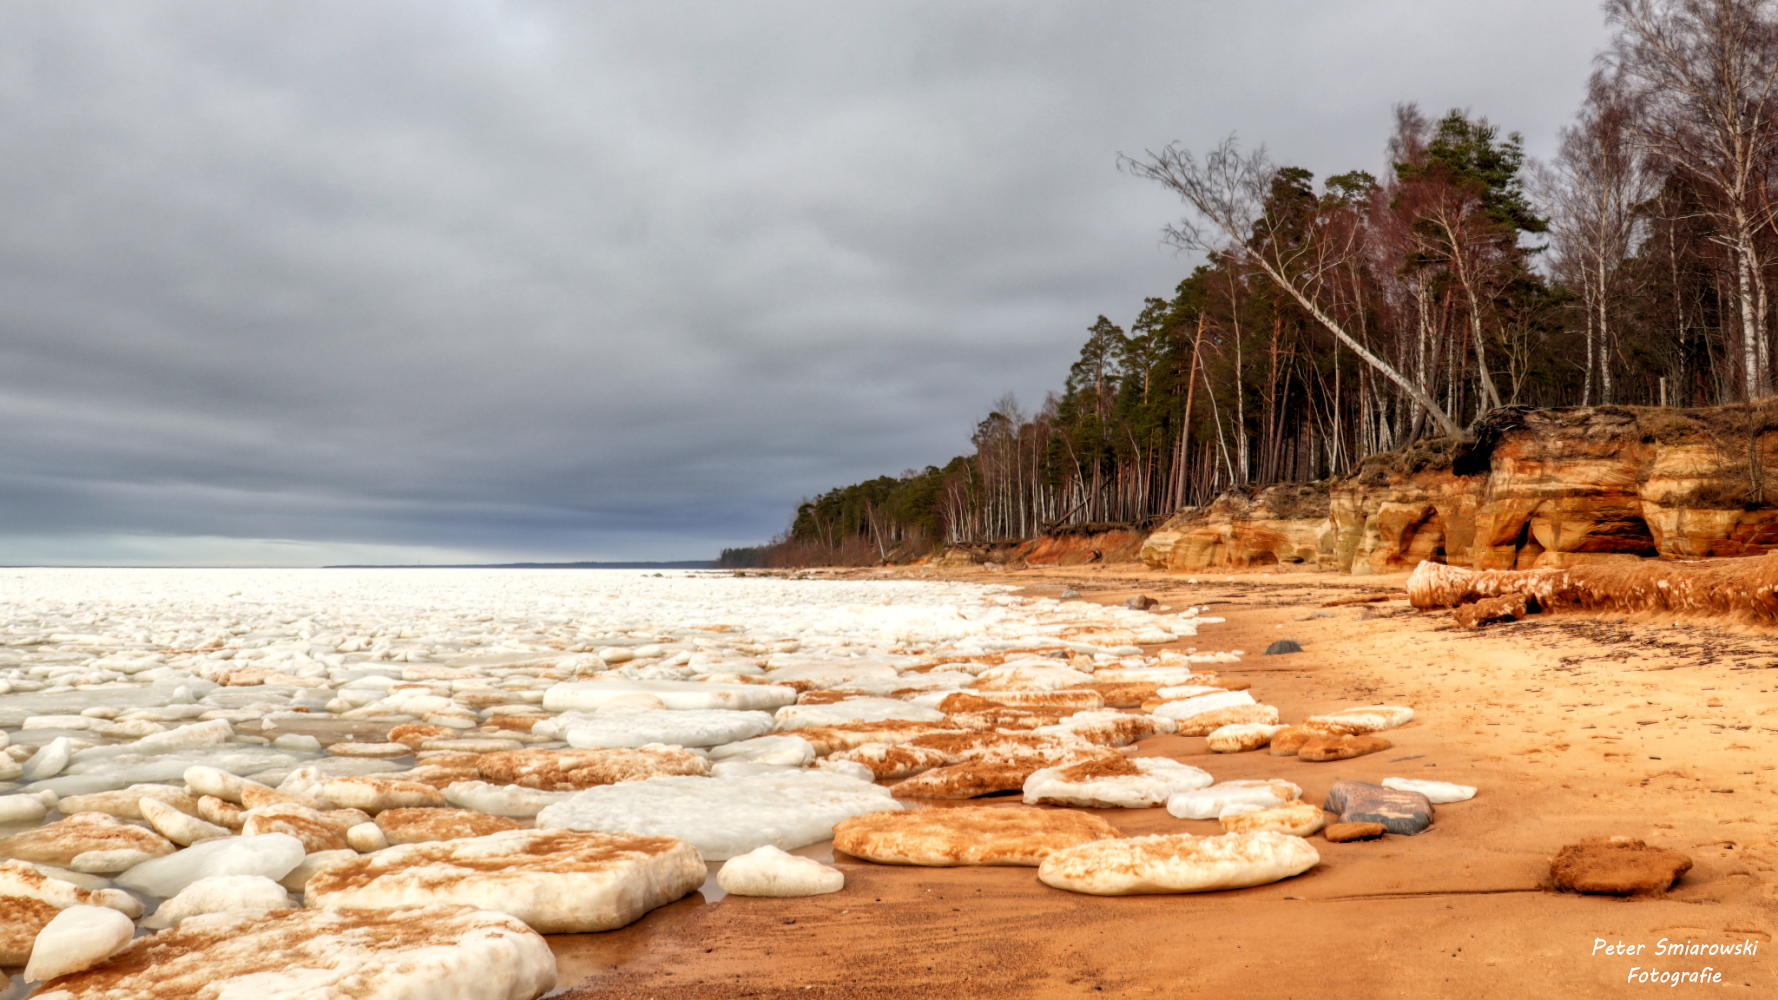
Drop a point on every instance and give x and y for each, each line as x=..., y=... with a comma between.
x=767, y=871
x=556, y=881
x=724, y=816
x=432, y=953
x=1177, y=863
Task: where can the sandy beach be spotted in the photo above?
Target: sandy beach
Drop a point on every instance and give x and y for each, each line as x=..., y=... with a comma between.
x=1570, y=727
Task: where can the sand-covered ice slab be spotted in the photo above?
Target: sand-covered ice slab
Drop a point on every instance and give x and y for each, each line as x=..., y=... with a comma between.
x=556, y=881
x=724, y=816
x=967, y=835
x=676, y=695
x=793, y=717
x=420, y=953
x=1120, y=783
x=515, y=801
x=1177, y=863
x=635, y=728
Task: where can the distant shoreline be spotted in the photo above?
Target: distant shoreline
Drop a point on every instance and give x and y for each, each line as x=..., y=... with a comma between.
x=682, y=564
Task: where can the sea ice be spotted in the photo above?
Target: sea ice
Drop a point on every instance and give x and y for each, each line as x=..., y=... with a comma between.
x=77, y=938
x=768, y=871
x=1436, y=792
x=630, y=728
x=678, y=695
x=1177, y=863
x=784, y=751
x=272, y=855
x=794, y=717
x=1126, y=783
x=514, y=801
x=219, y=894
x=423, y=953
x=1208, y=803
x=724, y=817
x=556, y=881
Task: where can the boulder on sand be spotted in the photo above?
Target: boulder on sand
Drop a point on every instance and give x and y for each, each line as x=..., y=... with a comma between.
x=556, y=881
x=1326, y=748
x=967, y=835
x=1400, y=812
x=1177, y=863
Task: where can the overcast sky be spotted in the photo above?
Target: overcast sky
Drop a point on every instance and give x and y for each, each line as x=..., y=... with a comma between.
x=441, y=281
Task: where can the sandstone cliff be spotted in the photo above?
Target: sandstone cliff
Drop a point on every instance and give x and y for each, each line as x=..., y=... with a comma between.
x=1534, y=489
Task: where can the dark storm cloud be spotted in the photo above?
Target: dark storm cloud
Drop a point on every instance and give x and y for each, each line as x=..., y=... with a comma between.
x=571, y=280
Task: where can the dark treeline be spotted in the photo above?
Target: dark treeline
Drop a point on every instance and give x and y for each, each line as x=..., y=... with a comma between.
x=1337, y=319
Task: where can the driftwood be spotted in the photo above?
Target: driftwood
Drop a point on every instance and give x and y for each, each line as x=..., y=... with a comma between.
x=1744, y=587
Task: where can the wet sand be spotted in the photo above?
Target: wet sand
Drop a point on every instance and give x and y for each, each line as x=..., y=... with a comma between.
x=1570, y=727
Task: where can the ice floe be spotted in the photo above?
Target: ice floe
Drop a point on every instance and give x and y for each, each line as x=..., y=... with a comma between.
x=1177, y=863
x=768, y=871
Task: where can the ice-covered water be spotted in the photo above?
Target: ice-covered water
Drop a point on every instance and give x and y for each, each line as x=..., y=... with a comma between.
x=216, y=682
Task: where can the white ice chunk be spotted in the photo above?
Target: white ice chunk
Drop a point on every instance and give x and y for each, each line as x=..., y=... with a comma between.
x=1436, y=792
x=768, y=871
x=24, y=808
x=1208, y=803
x=793, y=717
x=1188, y=707
x=49, y=760
x=724, y=817
x=1083, y=784
x=782, y=751
x=77, y=938
x=635, y=728
x=514, y=801
x=677, y=695
x=218, y=895
x=270, y=854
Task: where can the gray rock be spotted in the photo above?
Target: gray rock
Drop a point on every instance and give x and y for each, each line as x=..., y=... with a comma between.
x=1406, y=813
x=1283, y=646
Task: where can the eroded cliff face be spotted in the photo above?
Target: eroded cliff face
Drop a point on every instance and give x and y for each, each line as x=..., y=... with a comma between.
x=1536, y=489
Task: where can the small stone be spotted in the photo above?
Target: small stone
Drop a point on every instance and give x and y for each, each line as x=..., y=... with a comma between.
x=1326, y=748
x=77, y=938
x=1340, y=833
x=1618, y=866
x=1400, y=812
x=1283, y=646
x=768, y=871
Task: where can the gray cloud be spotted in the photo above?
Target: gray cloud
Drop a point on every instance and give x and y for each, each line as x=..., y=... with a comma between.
x=553, y=280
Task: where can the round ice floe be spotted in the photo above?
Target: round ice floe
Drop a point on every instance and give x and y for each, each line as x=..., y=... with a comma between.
x=768, y=871
x=215, y=895
x=1177, y=863
x=49, y=760
x=26, y=808
x=1208, y=803
x=677, y=695
x=793, y=717
x=1125, y=783
x=1436, y=792
x=1241, y=737
x=724, y=817
x=272, y=855
x=630, y=728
